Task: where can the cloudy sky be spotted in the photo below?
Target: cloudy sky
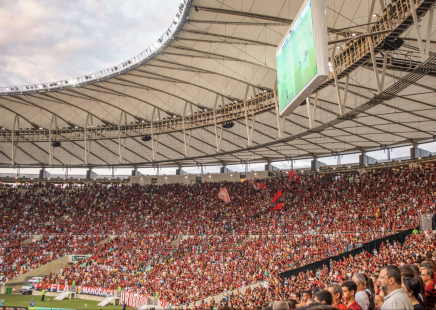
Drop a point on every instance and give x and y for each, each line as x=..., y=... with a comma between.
x=49, y=40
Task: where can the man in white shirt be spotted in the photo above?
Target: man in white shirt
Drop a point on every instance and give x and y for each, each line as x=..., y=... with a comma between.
x=390, y=284
x=361, y=297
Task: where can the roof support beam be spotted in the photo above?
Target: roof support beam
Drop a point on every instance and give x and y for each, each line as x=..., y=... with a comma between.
x=429, y=29
x=55, y=99
x=153, y=143
x=217, y=56
x=121, y=145
x=14, y=143
x=280, y=125
x=125, y=95
x=198, y=70
x=217, y=137
x=88, y=143
x=311, y=110
x=217, y=22
x=42, y=108
x=224, y=42
x=253, y=42
x=370, y=67
x=249, y=132
x=141, y=86
x=186, y=142
x=183, y=82
x=254, y=16
x=50, y=146
x=418, y=30
x=243, y=14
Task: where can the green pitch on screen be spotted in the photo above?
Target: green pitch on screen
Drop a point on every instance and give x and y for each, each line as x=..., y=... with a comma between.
x=296, y=64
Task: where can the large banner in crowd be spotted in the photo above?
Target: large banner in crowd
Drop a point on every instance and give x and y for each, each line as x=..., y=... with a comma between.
x=84, y=290
x=133, y=300
x=165, y=304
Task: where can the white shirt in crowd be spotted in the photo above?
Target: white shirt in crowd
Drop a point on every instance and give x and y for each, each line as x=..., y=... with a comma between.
x=362, y=299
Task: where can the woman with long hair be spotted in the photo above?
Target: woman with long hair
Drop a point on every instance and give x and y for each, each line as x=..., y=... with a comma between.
x=413, y=290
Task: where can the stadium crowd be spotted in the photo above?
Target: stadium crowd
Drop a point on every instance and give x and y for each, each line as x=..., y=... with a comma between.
x=412, y=267
x=384, y=200
x=323, y=216
x=17, y=258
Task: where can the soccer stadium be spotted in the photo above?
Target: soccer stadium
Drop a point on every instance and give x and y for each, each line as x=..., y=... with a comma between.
x=259, y=155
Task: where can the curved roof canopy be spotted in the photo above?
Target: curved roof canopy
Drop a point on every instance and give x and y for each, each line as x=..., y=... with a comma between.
x=188, y=99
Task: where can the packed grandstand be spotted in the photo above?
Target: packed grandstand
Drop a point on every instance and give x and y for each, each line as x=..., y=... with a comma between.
x=183, y=244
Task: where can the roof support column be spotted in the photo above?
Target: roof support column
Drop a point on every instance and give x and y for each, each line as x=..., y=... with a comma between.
x=16, y=126
x=429, y=29
x=217, y=137
x=121, y=145
x=88, y=142
x=154, y=143
x=418, y=31
x=382, y=80
x=249, y=130
x=280, y=125
x=50, y=138
x=374, y=63
x=311, y=110
x=341, y=102
x=186, y=143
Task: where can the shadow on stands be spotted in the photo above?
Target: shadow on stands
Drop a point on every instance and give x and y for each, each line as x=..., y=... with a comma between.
x=368, y=247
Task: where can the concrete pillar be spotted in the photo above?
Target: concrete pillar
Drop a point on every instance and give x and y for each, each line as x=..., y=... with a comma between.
x=224, y=169
x=135, y=172
x=416, y=152
x=366, y=160
x=90, y=174
x=43, y=174
x=316, y=164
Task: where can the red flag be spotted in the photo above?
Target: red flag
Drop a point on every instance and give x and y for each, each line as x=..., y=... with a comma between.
x=256, y=184
x=277, y=202
x=294, y=175
x=224, y=195
x=261, y=185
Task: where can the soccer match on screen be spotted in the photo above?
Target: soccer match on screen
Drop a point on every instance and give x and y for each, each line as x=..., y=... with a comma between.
x=296, y=60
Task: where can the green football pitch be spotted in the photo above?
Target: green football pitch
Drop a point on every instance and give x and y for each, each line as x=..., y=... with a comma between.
x=79, y=304
x=296, y=65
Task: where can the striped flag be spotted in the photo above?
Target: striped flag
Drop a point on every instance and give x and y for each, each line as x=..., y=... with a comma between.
x=224, y=195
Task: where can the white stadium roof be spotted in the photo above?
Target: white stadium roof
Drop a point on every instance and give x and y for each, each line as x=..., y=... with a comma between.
x=216, y=57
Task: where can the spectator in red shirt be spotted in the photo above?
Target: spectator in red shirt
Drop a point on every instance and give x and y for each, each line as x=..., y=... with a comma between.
x=430, y=290
x=349, y=288
x=336, y=291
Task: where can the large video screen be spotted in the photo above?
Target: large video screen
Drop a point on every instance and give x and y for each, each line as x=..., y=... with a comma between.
x=297, y=64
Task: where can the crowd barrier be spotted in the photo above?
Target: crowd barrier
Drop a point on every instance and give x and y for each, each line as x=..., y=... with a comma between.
x=369, y=247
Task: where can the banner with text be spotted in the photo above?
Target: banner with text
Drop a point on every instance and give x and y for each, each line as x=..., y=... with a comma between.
x=84, y=290
x=133, y=300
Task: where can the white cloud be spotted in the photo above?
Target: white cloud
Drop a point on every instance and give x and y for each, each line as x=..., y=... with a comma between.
x=43, y=40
